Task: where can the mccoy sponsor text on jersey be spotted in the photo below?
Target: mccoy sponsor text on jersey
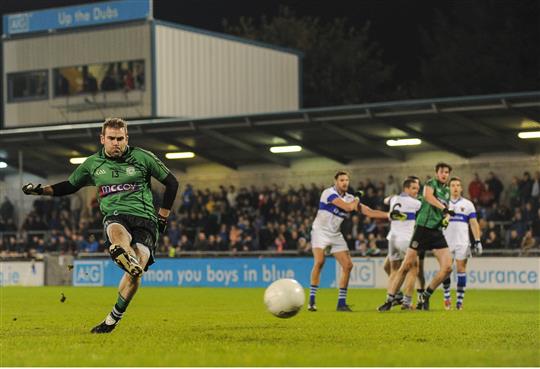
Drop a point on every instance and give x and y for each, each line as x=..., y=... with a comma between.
x=123, y=183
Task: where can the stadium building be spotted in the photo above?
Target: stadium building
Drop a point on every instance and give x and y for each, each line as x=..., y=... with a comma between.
x=226, y=99
x=225, y=115
x=84, y=63
x=224, y=102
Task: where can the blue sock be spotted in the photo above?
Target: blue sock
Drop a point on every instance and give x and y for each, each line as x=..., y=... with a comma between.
x=312, y=291
x=342, y=297
x=461, y=284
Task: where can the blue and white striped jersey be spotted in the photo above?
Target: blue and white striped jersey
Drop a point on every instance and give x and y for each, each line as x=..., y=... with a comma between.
x=403, y=230
x=457, y=232
x=329, y=216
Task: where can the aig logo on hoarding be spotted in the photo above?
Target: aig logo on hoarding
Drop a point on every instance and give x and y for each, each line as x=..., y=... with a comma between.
x=19, y=23
x=88, y=273
x=362, y=275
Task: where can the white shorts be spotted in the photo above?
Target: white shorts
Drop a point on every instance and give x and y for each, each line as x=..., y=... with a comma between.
x=397, y=248
x=321, y=239
x=460, y=252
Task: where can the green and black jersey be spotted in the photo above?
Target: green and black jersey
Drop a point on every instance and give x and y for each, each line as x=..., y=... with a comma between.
x=124, y=183
x=429, y=216
x=420, y=196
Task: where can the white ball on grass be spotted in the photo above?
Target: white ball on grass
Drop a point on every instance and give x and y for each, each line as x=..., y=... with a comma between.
x=284, y=298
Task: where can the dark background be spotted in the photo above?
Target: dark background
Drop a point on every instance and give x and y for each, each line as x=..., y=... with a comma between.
x=417, y=49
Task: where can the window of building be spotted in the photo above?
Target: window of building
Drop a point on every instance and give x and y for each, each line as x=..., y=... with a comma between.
x=103, y=77
x=28, y=86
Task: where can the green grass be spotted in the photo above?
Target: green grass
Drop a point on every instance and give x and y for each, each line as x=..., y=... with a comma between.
x=230, y=327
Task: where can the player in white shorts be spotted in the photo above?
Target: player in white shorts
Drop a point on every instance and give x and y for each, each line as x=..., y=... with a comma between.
x=386, y=266
x=334, y=205
x=401, y=232
x=457, y=237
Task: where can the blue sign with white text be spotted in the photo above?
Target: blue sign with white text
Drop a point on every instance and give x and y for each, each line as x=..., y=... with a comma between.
x=76, y=16
x=208, y=272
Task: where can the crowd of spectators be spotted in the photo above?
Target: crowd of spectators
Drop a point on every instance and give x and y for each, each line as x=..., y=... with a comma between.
x=53, y=224
x=268, y=218
x=512, y=222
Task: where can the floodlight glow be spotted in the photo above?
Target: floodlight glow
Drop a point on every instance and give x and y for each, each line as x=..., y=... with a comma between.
x=525, y=135
x=283, y=149
x=3, y=164
x=180, y=155
x=77, y=160
x=404, y=142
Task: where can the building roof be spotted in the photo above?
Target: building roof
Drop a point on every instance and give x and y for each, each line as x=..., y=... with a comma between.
x=465, y=126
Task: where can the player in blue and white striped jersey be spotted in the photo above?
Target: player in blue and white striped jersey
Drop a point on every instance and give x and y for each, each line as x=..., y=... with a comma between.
x=334, y=205
x=457, y=237
x=421, y=281
x=401, y=233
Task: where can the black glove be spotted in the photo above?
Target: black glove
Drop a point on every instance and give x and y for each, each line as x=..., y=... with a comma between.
x=477, y=248
x=30, y=189
x=449, y=212
x=162, y=224
x=359, y=194
x=397, y=215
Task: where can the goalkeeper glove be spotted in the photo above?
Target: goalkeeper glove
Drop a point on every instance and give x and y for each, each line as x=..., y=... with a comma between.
x=30, y=189
x=445, y=221
x=358, y=194
x=477, y=248
x=397, y=215
x=447, y=211
x=162, y=223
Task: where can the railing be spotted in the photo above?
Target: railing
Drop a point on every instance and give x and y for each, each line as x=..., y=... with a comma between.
x=505, y=251
x=294, y=253
x=260, y=254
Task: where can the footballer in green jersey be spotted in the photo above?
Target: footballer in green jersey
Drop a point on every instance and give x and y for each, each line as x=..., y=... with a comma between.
x=122, y=175
x=432, y=216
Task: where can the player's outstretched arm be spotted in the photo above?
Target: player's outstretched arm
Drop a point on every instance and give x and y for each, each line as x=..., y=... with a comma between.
x=78, y=179
x=171, y=188
x=347, y=206
x=58, y=189
x=369, y=212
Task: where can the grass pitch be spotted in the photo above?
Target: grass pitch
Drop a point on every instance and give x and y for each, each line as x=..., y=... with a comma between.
x=230, y=327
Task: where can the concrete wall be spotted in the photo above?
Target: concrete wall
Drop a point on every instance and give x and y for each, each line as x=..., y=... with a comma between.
x=57, y=270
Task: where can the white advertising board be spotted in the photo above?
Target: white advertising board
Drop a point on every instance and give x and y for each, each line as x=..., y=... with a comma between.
x=22, y=273
x=482, y=272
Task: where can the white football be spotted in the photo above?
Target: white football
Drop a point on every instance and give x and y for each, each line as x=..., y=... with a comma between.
x=284, y=298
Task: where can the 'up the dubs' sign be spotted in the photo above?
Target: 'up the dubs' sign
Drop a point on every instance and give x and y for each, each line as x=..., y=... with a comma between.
x=76, y=16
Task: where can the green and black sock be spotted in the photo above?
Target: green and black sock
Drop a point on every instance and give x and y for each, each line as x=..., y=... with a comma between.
x=118, y=310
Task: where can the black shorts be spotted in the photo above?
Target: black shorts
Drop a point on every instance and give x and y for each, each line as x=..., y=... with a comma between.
x=142, y=231
x=427, y=239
